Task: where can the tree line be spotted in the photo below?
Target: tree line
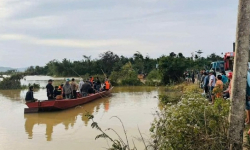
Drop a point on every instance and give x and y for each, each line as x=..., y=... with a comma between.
x=166, y=68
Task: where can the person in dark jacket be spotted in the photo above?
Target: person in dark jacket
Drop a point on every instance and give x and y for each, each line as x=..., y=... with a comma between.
x=57, y=92
x=193, y=76
x=98, y=84
x=29, y=95
x=85, y=88
x=50, y=90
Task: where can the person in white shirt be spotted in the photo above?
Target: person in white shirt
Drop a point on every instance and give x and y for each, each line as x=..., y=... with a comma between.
x=80, y=84
x=211, y=83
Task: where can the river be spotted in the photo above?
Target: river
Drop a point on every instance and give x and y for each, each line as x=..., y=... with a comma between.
x=70, y=129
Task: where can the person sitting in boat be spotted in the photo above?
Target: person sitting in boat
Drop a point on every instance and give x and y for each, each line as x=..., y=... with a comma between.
x=85, y=88
x=29, y=95
x=57, y=91
x=50, y=90
x=61, y=88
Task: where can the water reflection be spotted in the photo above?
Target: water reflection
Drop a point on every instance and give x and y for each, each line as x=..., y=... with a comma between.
x=67, y=118
x=12, y=94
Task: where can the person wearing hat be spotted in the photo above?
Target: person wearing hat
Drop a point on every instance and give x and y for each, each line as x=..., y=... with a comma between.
x=29, y=95
x=50, y=89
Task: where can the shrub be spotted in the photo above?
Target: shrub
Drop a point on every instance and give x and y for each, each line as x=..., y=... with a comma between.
x=170, y=97
x=12, y=82
x=192, y=124
x=126, y=76
x=130, y=81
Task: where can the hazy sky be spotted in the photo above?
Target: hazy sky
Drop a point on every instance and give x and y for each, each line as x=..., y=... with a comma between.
x=33, y=32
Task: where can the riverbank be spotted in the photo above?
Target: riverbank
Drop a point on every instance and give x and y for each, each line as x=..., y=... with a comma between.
x=190, y=122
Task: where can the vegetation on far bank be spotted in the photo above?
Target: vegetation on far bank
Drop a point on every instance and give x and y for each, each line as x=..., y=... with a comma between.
x=125, y=70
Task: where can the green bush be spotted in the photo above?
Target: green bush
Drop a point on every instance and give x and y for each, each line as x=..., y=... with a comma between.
x=131, y=81
x=126, y=76
x=153, y=78
x=12, y=82
x=170, y=97
x=192, y=124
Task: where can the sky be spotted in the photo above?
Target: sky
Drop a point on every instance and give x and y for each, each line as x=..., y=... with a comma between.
x=33, y=32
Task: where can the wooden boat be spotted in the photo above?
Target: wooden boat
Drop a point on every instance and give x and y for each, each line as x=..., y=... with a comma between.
x=53, y=105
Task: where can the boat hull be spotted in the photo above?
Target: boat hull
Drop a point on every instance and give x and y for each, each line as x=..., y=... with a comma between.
x=54, y=105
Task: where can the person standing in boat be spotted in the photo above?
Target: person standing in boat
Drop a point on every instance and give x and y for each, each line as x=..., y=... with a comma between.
x=67, y=90
x=98, y=84
x=107, y=85
x=85, y=88
x=50, y=90
x=91, y=79
x=80, y=84
x=74, y=87
x=29, y=95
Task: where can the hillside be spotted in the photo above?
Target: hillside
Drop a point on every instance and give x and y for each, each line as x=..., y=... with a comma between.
x=4, y=69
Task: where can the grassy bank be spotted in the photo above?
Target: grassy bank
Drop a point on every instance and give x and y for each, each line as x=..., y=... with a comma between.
x=189, y=122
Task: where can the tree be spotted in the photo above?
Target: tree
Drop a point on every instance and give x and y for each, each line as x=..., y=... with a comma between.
x=180, y=55
x=138, y=62
x=172, y=54
x=213, y=57
x=108, y=59
x=236, y=123
x=172, y=68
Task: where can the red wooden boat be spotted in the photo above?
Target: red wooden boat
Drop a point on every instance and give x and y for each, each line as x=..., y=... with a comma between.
x=53, y=105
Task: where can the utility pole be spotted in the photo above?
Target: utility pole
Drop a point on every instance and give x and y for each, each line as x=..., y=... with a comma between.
x=238, y=96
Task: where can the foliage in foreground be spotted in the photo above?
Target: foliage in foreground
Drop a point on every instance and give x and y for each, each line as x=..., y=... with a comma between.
x=117, y=144
x=192, y=124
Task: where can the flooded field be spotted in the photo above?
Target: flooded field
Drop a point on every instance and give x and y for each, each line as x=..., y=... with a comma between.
x=70, y=129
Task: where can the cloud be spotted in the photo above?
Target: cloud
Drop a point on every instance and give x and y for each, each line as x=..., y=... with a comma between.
x=73, y=43
x=9, y=8
x=37, y=31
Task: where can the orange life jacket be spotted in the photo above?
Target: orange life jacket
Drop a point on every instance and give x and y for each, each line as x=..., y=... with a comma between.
x=107, y=85
x=92, y=79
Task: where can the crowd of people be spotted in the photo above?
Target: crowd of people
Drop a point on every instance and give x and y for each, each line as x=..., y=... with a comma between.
x=71, y=90
x=215, y=86
x=220, y=87
x=189, y=76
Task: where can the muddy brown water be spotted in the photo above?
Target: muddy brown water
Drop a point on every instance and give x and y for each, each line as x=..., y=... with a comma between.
x=70, y=129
